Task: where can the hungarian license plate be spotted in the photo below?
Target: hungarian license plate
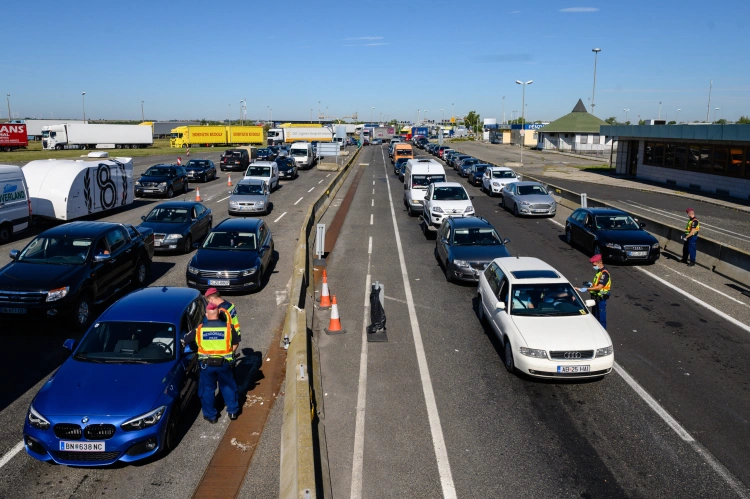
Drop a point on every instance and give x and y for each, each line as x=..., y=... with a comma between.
x=149, y=190
x=540, y=211
x=214, y=282
x=157, y=243
x=82, y=446
x=637, y=253
x=12, y=310
x=573, y=369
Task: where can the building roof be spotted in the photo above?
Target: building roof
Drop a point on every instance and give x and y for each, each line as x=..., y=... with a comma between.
x=577, y=121
x=732, y=133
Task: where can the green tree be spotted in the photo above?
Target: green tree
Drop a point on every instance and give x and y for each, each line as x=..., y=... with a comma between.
x=641, y=122
x=612, y=120
x=722, y=121
x=393, y=122
x=744, y=120
x=517, y=121
x=471, y=121
x=673, y=122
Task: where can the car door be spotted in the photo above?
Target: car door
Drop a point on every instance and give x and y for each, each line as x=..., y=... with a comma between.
x=102, y=273
x=427, y=203
x=443, y=242
x=203, y=221
x=485, y=179
x=500, y=317
x=121, y=255
x=192, y=317
x=490, y=287
x=264, y=249
x=575, y=225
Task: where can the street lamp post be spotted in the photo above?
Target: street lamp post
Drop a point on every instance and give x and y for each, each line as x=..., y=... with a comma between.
x=593, y=92
x=626, y=114
x=7, y=98
x=659, y=109
x=678, y=116
x=371, y=110
x=318, y=111
x=142, y=115
x=83, y=103
x=442, y=116
x=715, y=109
x=523, y=110
x=453, y=114
x=503, y=109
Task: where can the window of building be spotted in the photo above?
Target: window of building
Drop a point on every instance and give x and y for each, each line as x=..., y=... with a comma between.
x=747, y=162
x=734, y=167
x=658, y=154
x=597, y=139
x=693, y=156
x=584, y=139
x=706, y=157
x=721, y=156
x=653, y=154
x=680, y=156
x=669, y=155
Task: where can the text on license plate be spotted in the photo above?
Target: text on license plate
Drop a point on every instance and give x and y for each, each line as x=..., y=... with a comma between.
x=12, y=310
x=540, y=211
x=637, y=253
x=573, y=369
x=82, y=446
x=157, y=243
x=214, y=282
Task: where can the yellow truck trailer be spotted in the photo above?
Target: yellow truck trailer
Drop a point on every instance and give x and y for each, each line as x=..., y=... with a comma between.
x=215, y=135
x=245, y=135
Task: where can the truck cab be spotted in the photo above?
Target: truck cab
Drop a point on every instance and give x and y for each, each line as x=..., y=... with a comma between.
x=275, y=136
x=54, y=137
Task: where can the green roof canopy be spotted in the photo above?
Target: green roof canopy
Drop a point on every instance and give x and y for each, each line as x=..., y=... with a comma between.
x=577, y=121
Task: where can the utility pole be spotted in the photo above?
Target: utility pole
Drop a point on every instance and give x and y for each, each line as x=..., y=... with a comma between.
x=503, y=109
x=83, y=103
x=523, y=111
x=678, y=116
x=659, y=109
x=708, y=108
x=142, y=118
x=593, y=92
x=7, y=98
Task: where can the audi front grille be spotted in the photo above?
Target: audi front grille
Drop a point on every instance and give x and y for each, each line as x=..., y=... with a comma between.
x=572, y=355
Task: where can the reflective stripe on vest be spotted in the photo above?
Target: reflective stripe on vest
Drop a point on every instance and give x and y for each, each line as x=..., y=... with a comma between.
x=688, y=227
x=234, y=317
x=214, y=341
x=605, y=289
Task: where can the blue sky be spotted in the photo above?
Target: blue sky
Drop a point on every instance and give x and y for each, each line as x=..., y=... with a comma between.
x=195, y=60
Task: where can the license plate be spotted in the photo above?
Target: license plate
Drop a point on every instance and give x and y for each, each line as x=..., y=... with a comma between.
x=573, y=369
x=213, y=282
x=149, y=190
x=82, y=446
x=540, y=211
x=12, y=310
x=157, y=243
x=637, y=253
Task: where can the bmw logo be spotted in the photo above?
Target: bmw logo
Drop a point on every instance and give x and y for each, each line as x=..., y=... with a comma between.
x=85, y=420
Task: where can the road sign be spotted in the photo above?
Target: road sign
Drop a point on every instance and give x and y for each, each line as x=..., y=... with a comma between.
x=453, y=120
x=327, y=149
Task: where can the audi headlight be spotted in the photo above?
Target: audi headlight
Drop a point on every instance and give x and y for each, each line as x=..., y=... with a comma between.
x=613, y=246
x=249, y=271
x=57, y=294
x=437, y=209
x=655, y=245
x=461, y=263
x=603, y=352
x=144, y=421
x=173, y=236
x=533, y=352
x=192, y=270
x=36, y=420
x=469, y=209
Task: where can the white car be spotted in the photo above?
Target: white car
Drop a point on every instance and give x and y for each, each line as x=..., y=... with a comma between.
x=446, y=199
x=545, y=327
x=267, y=171
x=496, y=178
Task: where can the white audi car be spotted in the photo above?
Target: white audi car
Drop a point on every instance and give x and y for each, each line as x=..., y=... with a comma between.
x=546, y=328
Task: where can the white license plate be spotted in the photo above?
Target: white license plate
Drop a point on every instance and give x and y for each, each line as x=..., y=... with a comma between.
x=214, y=282
x=573, y=369
x=149, y=190
x=12, y=310
x=637, y=253
x=540, y=211
x=82, y=446
x=157, y=243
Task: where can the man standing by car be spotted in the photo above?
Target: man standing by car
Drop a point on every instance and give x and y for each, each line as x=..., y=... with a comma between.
x=213, y=296
x=599, y=289
x=216, y=340
x=690, y=238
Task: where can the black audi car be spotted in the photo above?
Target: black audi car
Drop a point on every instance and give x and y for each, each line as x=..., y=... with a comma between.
x=287, y=168
x=200, y=169
x=176, y=224
x=613, y=233
x=465, y=246
x=234, y=256
x=162, y=180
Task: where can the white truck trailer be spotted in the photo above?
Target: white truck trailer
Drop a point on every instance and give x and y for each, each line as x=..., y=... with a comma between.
x=294, y=134
x=75, y=136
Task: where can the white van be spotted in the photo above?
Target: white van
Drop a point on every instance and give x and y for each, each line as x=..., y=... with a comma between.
x=267, y=171
x=15, y=206
x=419, y=174
x=302, y=153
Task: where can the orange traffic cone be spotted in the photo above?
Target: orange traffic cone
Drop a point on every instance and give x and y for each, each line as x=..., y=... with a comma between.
x=325, y=295
x=179, y=161
x=198, y=194
x=334, y=326
x=229, y=180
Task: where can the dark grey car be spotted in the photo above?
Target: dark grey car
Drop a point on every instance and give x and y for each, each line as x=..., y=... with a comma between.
x=528, y=198
x=465, y=246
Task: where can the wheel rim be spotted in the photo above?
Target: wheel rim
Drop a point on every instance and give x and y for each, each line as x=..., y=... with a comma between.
x=142, y=273
x=568, y=236
x=4, y=234
x=508, y=355
x=83, y=312
x=170, y=192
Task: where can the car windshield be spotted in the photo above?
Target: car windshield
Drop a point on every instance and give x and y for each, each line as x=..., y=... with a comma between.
x=128, y=342
x=56, y=250
x=503, y=174
x=248, y=189
x=285, y=164
x=616, y=222
x=258, y=171
x=546, y=300
x=480, y=168
x=196, y=164
x=422, y=181
x=168, y=215
x=476, y=237
x=233, y=154
x=452, y=193
x=299, y=152
x=530, y=190
x=219, y=240
x=158, y=171
x=403, y=152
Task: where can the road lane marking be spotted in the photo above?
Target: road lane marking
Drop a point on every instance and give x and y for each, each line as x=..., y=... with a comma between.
x=280, y=217
x=373, y=191
x=371, y=218
x=223, y=199
x=11, y=453
x=706, y=286
x=556, y=222
x=373, y=182
x=369, y=247
x=373, y=203
x=328, y=175
x=438, y=440
x=300, y=199
x=321, y=181
x=311, y=189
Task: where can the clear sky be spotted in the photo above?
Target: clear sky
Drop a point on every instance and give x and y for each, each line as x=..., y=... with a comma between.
x=192, y=60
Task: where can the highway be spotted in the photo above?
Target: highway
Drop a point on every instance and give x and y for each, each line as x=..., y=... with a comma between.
x=38, y=352
x=433, y=412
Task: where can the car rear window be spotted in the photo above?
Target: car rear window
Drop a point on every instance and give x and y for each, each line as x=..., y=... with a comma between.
x=535, y=274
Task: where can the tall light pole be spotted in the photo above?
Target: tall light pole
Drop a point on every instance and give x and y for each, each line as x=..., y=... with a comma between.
x=523, y=110
x=626, y=114
x=424, y=116
x=453, y=114
x=715, y=109
x=7, y=98
x=678, y=116
x=593, y=92
x=659, y=109
x=83, y=103
x=708, y=108
x=240, y=112
x=142, y=118
x=271, y=109
x=371, y=110
x=503, y=109
x=442, y=116
x=310, y=115
x=318, y=111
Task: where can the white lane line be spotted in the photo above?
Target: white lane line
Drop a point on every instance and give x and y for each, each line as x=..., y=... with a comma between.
x=300, y=199
x=705, y=286
x=715, y=310
x=371, y=215
x=373, y=191
x=223, y=199
x=369, y=247
x=438, y=440
x=556, y=222
x=373, y=203
x=321, y=181
x=328, y=175
x=311, y=189
x=11, y=453
x=373, y=182
x=280, y=217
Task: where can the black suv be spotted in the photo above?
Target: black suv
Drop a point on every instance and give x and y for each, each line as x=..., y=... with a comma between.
x=287, y=167
x=162, y=180
x=235, y=160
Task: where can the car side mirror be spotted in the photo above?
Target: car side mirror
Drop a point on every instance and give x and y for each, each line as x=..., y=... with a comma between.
x=506, y=241
x=500, y=305
x=69, y=344
x=196, y=245
x=642, y=224
x=471, y=197
x=426, y=198
x=102, y=258
x=143, y=217
x=14, y=254
x=590, y=303
x=443, y=241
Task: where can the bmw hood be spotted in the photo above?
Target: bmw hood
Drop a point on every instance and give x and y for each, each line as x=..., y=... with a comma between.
x=157, y=179
x=578, y=332
x=479, y=253
x=19, y=276
x=166, y=228
x=209, y=259
x=89, y=389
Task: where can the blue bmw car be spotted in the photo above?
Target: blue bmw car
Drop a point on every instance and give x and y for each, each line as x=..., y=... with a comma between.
x=119, y=396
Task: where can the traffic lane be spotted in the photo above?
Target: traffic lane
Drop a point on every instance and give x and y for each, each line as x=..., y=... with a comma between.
x=571, y=423
x=692, y=366
x=260, y=312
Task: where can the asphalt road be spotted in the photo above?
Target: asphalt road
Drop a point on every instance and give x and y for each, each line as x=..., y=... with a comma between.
x=37, y=352
x=436, y=411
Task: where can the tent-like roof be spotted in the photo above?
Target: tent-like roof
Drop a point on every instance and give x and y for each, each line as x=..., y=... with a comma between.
x=577, y=121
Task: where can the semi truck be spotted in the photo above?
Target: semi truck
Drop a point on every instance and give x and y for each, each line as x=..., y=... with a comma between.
x=75, y=136
x=13, y=136
x=385, y=133
x=419, y=130
x=215, y=135
x=295, y=134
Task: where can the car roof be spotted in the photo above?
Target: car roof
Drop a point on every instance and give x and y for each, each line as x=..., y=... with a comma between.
x=469, y=222
x=527, y=263
x=239, y=224
x=163, y=164
x=262, y=163
x=251, y=181
x=502, y=168
x=152, y=304
x=80, y=229
x=176, y=204
x=527, y=182
x=605, y=211
x=447, y=184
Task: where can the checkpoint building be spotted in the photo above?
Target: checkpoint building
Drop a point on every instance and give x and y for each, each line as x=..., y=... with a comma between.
x=577, y=132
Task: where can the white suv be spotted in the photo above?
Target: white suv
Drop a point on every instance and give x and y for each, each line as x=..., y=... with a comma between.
x=545, y=327
x=446, y=199
x=496, y=178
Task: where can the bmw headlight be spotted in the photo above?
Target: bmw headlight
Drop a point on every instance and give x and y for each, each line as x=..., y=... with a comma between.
x=603, y=352
x=173, y=236
x=437, y=209
x=36, y=420
x=461, y=263
x=192, y=270
x=138, y=183
x=533, y=352
x=250, y=271
x=613, y=246
x=469, y=209
x=163, y=184
x=57, y=294
x=655, y=245
x=144, y=421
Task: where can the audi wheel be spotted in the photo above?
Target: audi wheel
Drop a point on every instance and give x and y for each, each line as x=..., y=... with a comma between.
x=509, y=363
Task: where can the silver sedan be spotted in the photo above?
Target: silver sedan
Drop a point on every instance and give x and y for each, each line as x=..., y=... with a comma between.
x=249, y=196
x=528, y=198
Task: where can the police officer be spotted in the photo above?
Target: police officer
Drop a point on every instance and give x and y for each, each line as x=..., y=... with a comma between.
x=213, y=296
x=599, y=289
x=690, y=238
x=216, y=340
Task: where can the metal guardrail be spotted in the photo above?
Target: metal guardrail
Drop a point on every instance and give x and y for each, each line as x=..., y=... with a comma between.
x=298, y=460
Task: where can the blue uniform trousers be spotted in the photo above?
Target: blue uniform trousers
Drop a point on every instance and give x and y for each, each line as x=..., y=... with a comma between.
x=688, y=249
x=600, y=312
x=207, y=389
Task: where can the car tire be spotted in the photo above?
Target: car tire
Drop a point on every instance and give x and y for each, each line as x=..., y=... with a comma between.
x=188, y=245
x=568, y=236
x=480, y=312
x=508, y=361
x=82, y=312
x=185, y=188
x=141, y=274
x=502, y=202
x=170, y=192
x=6, y=231
x=447, y=272
x=515, y=210
x=171, y=434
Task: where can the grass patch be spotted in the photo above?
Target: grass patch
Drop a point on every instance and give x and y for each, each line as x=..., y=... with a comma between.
x=592, y=168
